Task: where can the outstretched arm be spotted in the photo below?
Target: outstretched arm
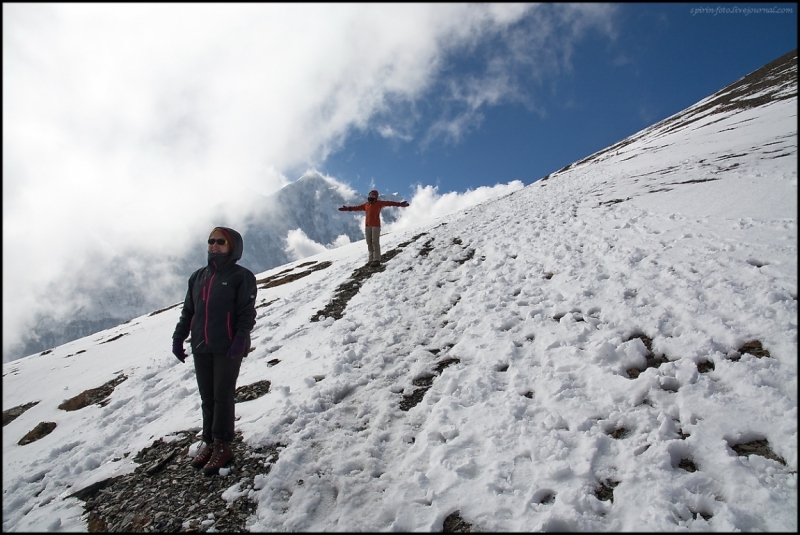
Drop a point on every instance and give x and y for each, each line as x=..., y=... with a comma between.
x=352, y=208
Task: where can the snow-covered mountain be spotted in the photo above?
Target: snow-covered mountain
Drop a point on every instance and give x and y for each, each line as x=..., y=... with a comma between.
x=308, y=204
x=612, y=348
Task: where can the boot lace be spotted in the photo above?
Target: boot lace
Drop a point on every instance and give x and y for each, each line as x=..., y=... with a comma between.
x=219, y=451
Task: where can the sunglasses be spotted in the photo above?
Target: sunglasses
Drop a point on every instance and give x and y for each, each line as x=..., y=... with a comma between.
x=218, y=241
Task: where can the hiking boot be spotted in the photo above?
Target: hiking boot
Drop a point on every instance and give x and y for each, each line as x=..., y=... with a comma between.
x=203, y=455
x=222, y=456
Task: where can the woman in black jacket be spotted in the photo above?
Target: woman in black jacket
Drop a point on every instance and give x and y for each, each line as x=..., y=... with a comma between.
x=219, y=312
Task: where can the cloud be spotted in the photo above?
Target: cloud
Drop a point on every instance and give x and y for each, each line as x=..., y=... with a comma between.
x=536, y=47
x=299, y=245
x=389, y=132
x=427, y=204
x=343, y=239
x=124, y=124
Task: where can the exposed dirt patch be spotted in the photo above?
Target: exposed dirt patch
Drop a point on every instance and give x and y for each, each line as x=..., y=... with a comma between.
x=40, y=431
x=757, y=447
x=620, y=433
x=426, y=248
x=467, y=256
x=424, y=383
x=165, y=309
x=413, y=399
x=576, y=314
x=705, y=366
x=605, y=492
x=281, y=278
x=688, y=465
x=99, y=395
x=652, y=360
x=15, y=412
x=165, y=493
x=266, y=304
x=613, y=201
x=700, y=180
x=754, y=348
x=345, y=292
x=444, y=363
x=12, y=371
x=681, y=434
x=114, y=338
x=546, y=497
x=453, y=523
x=251, y=391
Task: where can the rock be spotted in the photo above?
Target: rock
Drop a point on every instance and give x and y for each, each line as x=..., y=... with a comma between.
x=174, y=496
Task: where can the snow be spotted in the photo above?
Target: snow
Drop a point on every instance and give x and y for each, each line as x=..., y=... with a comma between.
x=543, y=297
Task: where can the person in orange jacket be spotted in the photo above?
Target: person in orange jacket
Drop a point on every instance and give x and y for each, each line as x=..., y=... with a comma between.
x=373, y=225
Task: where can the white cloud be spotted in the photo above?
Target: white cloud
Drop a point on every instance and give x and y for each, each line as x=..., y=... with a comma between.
x=427, y=204
x=299, y=245
x=532, y=49
x=343, y=239
x=125, y=123
x=389, y=132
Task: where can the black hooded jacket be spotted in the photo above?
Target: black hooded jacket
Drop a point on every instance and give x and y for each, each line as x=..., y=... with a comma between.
x=220, y=303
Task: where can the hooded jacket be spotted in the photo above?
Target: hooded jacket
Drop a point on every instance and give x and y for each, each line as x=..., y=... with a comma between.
x=220, y=303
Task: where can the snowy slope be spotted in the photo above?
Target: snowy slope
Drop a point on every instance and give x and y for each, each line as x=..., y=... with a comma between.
x=522, y=325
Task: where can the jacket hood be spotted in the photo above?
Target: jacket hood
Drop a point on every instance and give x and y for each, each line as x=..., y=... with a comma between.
x=238, y=246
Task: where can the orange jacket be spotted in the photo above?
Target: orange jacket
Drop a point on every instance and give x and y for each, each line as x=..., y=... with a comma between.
x=373, y=210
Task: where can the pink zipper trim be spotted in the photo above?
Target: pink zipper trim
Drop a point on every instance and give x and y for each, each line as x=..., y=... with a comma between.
x=208, y=295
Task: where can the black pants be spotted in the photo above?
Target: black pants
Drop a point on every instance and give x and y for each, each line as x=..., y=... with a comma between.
x=216, y=379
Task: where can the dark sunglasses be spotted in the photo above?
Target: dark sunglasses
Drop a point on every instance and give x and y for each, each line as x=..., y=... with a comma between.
x=218, y=241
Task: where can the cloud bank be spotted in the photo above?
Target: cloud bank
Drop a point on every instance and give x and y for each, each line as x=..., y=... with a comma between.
x=426, y=205
x=124, y=123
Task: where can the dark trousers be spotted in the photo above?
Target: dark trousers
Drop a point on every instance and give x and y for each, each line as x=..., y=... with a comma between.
x=216, y=379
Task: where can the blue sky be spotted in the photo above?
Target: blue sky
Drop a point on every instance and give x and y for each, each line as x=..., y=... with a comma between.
x=661, y=59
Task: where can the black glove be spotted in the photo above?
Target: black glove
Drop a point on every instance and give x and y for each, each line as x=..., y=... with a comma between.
x=237, y=347
x=404, y=204
x=343, y=209
x=177, y=349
